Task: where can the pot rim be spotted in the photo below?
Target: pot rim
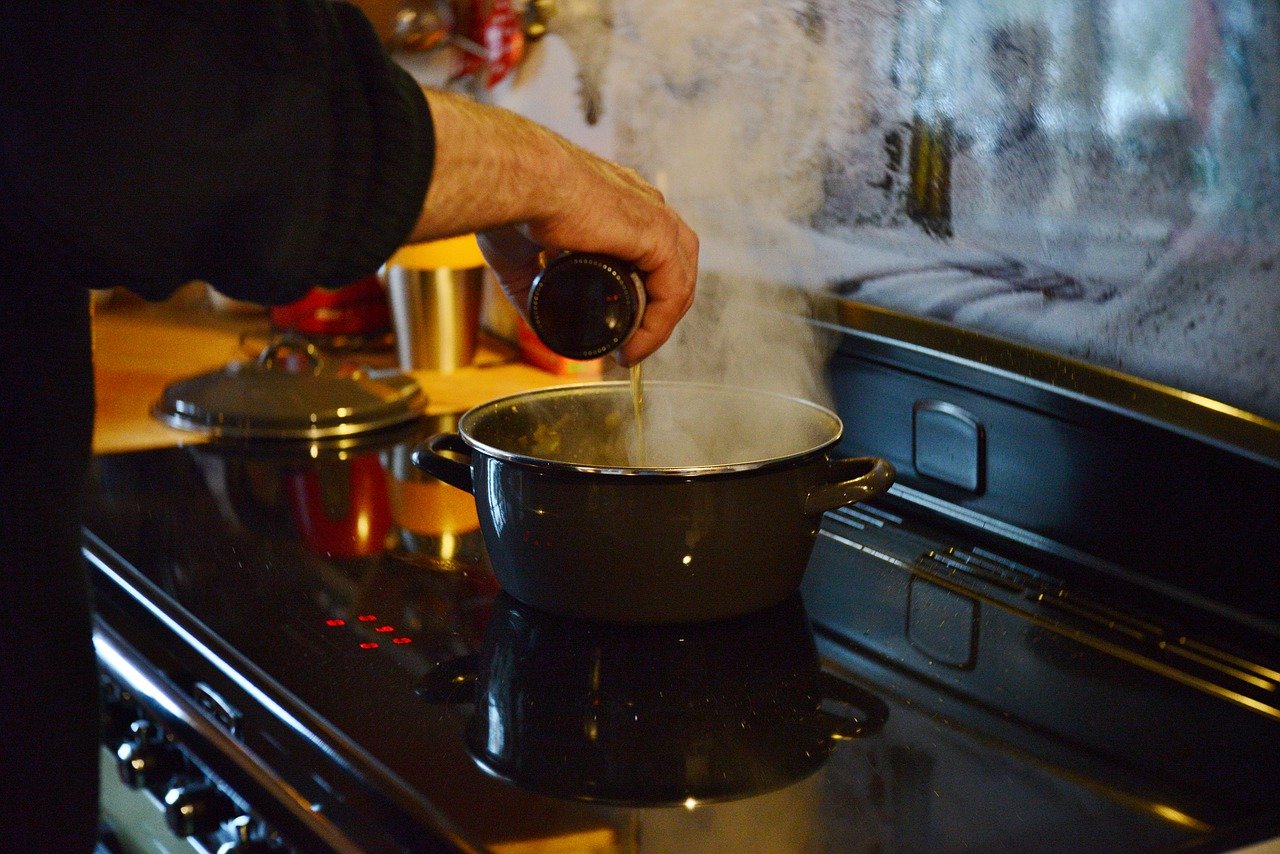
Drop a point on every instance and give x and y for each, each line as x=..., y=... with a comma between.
x=476, y=412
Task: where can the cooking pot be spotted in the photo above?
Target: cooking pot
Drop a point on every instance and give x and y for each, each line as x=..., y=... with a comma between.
x=710, y=512
x=651, y=715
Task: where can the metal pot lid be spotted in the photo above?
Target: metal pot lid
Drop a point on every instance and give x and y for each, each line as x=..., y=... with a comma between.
x=259, y=400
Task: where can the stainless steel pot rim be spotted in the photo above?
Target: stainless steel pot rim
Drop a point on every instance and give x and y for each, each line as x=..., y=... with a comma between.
x=613, y=386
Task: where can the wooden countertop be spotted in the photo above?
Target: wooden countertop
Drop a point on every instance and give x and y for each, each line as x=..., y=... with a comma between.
x=141, y=347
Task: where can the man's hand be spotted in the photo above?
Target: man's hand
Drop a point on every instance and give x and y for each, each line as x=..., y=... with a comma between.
x=524, y=190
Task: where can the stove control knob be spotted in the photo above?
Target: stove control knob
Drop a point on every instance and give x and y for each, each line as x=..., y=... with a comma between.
x=196, y=809
x=145, y=759
x=244, y=843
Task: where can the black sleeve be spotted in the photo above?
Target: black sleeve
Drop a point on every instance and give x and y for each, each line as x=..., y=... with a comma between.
x=264, y=147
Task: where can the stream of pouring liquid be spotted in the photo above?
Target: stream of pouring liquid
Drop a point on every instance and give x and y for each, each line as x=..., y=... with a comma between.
x=637, y=412
x=637, y=375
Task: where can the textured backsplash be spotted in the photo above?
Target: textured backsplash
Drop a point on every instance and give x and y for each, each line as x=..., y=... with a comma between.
x=1098, y=178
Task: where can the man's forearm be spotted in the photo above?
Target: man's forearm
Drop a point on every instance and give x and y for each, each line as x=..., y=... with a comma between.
x=525, y=188
x=492, y=168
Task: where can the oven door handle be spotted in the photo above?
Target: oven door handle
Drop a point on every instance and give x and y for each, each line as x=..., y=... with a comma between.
x=282, y=806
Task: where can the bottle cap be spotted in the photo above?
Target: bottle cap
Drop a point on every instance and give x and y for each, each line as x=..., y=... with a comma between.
x=583, y=306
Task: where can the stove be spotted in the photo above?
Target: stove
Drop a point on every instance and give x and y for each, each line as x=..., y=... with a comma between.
x=1058, y=632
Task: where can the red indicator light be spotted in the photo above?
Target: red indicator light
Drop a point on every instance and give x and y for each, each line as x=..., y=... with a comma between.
x=368, y=618
x=402, y=640
x=385, y=629
x=369, y=645
x=335, y=622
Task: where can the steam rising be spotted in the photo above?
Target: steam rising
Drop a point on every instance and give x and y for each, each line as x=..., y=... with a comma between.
x=1114, y=174
x=747, y=333
x=730, y=164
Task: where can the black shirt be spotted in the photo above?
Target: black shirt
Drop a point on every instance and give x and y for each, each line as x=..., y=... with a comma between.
x=264, y=147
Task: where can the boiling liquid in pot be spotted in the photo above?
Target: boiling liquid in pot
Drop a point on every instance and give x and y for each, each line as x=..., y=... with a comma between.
x=677, y=425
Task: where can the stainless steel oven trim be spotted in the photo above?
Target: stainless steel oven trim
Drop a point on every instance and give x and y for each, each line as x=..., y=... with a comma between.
x=232, y=762
x=1043, y=544
x=333, y=744
x=1225, y=426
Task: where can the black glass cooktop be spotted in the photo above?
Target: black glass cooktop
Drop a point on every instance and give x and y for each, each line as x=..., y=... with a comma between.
x=362, y=588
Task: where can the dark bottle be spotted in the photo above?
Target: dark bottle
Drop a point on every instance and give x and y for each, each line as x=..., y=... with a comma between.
x=583, y=306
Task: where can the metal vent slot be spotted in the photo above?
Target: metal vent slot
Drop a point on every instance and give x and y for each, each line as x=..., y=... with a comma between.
x=858, y=517
x=846, y=518
x=1042, y=600
x=869, y=512
x=867, y=550
x=948, y=561
x=1154, y=640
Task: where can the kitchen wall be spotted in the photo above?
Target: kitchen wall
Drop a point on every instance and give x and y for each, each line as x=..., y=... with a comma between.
x=1098, y=177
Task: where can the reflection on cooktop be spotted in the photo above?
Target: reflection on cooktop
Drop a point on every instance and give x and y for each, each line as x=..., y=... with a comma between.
x=652, y=716
x=361, y=588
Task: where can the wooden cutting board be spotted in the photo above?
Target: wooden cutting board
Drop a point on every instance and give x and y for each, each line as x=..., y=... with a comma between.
x=141, y=347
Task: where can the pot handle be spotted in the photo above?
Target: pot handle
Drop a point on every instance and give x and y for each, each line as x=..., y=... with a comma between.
x=451, y=682
x=429, y=458
x=849, y=711
x=849, y=480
